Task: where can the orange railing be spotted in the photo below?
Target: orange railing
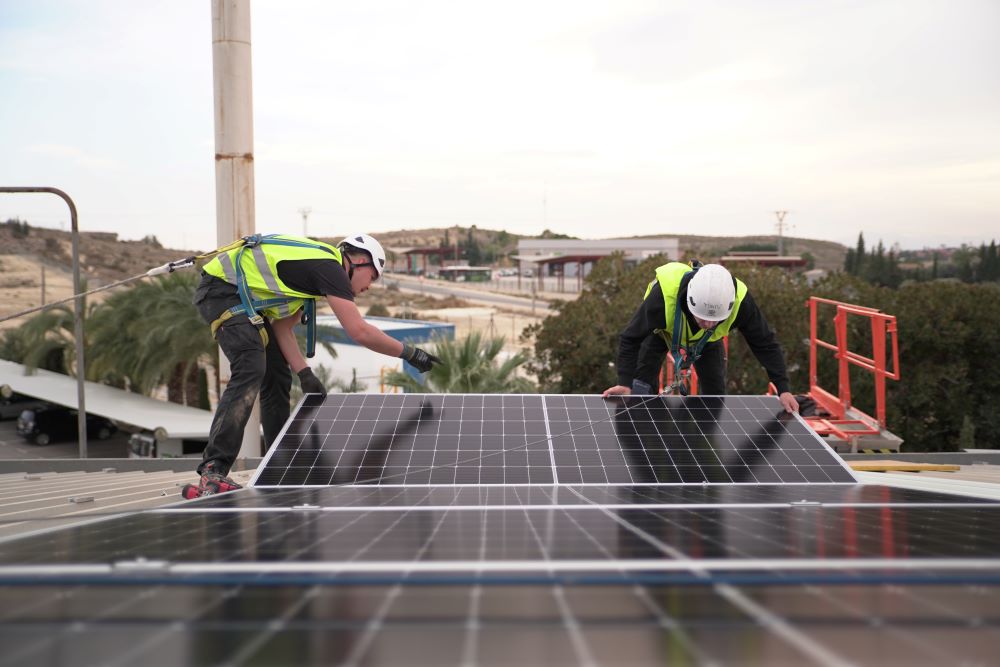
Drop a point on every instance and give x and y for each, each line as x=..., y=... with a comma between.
x=883, y=327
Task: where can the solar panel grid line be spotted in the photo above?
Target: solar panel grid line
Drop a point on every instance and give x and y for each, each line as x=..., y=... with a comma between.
x=670, y=624
x=270, y=455
x=584, y=656
x=599, y=456
x=925, y=647
x=510, y=508
x=929, y=570
x=818, y=653
x=548, y=438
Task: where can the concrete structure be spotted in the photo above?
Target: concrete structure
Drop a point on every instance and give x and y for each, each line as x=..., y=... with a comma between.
x=369, y=367
x=763, y=258
x=172, y=426
x=576, y=258
x=415, y=260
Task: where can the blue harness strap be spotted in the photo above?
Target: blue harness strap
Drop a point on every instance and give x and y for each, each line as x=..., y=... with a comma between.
x=691, y=354
x=250, y=306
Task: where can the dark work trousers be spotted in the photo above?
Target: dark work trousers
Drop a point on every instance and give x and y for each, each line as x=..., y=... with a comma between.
x=711, y=366
x=254, y=370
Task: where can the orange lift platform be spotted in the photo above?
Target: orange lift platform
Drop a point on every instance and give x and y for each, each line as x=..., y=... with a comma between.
x=843, y=426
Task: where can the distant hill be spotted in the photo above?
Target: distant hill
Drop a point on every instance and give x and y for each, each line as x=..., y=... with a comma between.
x=106, y=258
x=828, y=254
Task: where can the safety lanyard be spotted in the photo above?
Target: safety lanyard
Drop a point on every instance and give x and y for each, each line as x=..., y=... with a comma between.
x=691, y=354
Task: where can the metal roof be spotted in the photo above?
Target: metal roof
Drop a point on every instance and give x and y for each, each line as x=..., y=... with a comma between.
x=178, y=421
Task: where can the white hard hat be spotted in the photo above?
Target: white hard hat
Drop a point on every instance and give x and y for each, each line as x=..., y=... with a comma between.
x=370, y=246
x=711, y=293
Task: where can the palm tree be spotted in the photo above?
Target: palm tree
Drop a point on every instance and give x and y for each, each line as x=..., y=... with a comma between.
x=48, y=340
x=468, y=366
x=151, y=334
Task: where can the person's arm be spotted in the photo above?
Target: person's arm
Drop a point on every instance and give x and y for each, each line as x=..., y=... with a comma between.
x=647, y=318
x=284, y=333
x=361, y=332
x=765, y=346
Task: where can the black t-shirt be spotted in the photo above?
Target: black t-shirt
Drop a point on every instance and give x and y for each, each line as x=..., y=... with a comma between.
x=651, y=315
x=322, y=277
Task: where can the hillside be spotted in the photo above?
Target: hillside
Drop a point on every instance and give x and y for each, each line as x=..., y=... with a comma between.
x=828, y=254
x=24, y=250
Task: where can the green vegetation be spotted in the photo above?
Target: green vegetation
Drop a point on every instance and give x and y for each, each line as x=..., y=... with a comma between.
x=754, y=247
x=471, y=365
x=891, y=268
x=949, y=358
x=576, y=348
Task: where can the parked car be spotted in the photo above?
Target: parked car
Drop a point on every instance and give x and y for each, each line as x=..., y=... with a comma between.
x=15, y=404
x=54, y=423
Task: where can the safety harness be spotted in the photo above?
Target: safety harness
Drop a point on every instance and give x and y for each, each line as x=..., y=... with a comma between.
x=249, y=306
x=691, y=354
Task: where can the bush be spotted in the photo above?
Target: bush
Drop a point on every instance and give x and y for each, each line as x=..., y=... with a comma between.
x=377, y=310
x=949, y=355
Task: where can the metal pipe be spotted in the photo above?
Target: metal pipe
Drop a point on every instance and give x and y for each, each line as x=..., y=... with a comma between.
x=234, y=186
x=81, y=417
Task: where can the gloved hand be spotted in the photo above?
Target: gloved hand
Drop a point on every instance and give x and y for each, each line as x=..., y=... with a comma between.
x=421, y=360
x=641, y=388
x=310, y=383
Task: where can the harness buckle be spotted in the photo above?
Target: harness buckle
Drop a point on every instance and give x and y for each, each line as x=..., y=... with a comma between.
x=252, y=240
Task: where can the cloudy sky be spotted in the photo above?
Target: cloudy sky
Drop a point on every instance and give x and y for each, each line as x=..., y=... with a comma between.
x=596, y=119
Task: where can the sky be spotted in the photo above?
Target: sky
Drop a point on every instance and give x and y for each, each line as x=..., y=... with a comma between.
x=595, y=119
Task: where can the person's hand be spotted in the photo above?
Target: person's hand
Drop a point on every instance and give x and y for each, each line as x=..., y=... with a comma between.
x=310, y=383
x=788, y=402
x=422, y=360
x=617, y=390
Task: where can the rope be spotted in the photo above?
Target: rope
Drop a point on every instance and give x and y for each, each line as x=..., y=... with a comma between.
x=169, y=267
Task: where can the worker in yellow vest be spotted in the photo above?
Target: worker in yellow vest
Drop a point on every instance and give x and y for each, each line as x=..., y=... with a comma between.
x=691, y=310
x=253, y=295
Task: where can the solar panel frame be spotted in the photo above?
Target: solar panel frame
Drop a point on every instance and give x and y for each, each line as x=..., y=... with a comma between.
x=544, y=439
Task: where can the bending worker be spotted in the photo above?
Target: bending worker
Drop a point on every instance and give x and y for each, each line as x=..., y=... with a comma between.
x=692, y=309
x=253, y=295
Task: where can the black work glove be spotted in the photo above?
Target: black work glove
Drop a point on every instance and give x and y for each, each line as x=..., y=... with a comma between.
x=421, y=360
x=310, y=383
x=640, y=388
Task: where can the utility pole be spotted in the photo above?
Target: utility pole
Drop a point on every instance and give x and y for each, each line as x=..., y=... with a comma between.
x=781, y=231
x=304, y=212
x=234, y=182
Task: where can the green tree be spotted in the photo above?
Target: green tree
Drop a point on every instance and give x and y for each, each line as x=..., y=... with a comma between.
x=576, y=347
x=471, y=365
x=48, y=341
x=151, y=334
x=849, y=261
x=859, y=256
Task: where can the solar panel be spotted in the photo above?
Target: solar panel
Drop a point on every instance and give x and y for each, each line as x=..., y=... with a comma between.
x=463, y=529
x=458, y=439
x=412, y=439
x=668, y=496
x=493, y=625
x=503, y=543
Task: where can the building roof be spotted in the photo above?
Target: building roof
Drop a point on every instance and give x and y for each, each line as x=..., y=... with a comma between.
x=406, y=331
x=178, y=421
x=463, y=268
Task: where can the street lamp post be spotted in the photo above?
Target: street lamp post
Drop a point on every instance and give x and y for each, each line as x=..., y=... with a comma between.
x=81, y=417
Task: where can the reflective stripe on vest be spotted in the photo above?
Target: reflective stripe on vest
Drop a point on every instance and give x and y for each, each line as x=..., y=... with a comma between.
x=669, y=276
x=260, y=270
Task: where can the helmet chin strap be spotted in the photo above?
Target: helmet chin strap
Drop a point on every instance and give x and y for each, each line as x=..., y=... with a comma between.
x=350, y=267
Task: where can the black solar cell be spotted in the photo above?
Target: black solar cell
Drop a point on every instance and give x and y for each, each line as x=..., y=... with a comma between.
x=455, y=439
